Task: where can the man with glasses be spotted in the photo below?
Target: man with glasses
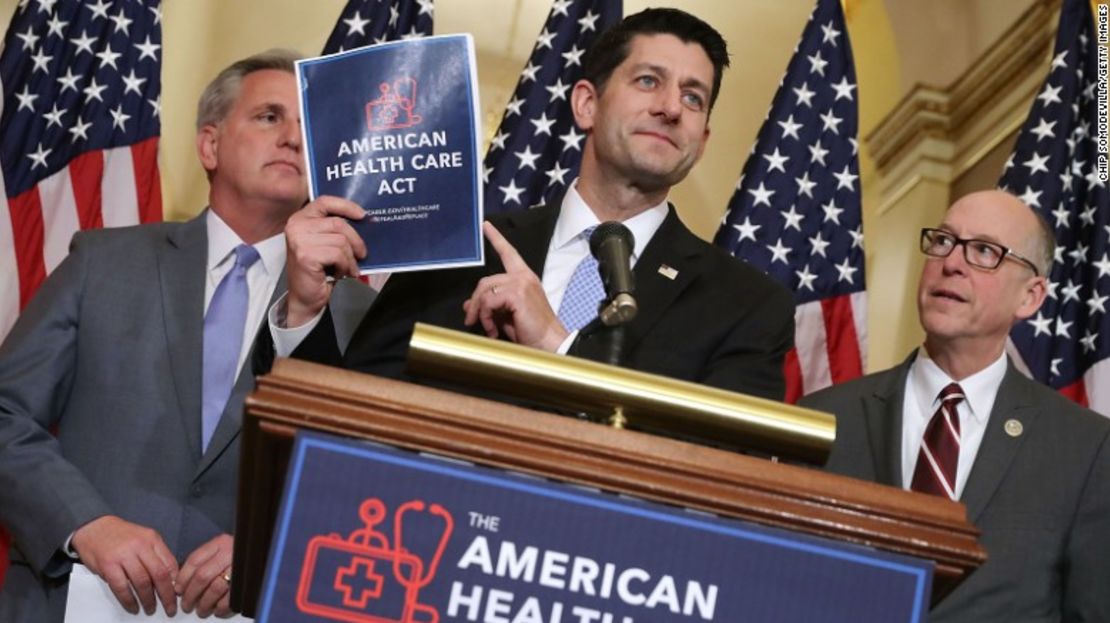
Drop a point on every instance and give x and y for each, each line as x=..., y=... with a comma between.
x=980, y=253
x=956, y=419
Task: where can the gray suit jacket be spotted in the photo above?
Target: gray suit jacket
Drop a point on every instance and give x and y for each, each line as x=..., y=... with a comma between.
x=1041, y=499
x=109, y=353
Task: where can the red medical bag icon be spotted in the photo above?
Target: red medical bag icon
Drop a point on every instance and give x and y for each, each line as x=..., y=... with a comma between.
x=361, y=579
x=395, y=108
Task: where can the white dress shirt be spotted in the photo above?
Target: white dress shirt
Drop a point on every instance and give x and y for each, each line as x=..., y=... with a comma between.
x=262, y=276
x=566, y=250
x=923, y=387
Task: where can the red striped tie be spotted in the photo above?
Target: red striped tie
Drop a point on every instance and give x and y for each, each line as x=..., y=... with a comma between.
x=935, y=472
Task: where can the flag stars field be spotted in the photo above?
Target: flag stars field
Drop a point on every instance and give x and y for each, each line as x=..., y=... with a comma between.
x=1052, y=169
x=799, y=189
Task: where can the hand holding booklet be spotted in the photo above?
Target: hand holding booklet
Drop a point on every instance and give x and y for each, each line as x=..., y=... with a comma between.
x=394, y=128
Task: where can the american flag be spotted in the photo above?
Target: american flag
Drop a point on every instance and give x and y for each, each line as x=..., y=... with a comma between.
x=1053, y=169
x=796, y=210
x=78, y=134
x=537, y=148
x=366, y=22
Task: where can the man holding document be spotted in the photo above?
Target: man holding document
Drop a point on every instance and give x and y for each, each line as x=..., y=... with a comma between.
x=134, y=349
x=644, y=102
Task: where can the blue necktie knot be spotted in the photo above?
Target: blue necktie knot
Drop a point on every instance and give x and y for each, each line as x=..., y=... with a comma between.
x=245, y=256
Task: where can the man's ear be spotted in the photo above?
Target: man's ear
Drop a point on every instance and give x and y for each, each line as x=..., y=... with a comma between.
x=208, y=142
x=704, y=142
x=583, y=102
x=1036, y=289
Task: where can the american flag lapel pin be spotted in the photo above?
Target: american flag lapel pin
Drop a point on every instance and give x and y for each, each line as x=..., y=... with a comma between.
x=668, y=272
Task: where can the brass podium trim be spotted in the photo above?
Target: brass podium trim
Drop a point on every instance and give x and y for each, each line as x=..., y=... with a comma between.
x=647, y=401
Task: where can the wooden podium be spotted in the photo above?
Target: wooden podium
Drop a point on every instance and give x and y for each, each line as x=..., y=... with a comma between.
x=298, y=395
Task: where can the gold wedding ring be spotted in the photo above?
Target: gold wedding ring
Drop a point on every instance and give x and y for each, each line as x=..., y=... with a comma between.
x=227, y=576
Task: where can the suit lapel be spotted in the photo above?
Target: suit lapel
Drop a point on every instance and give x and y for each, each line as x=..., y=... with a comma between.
x=670, y=263
x=882, y=412
x=181, y=270
x=530, y=234
x=998, y=447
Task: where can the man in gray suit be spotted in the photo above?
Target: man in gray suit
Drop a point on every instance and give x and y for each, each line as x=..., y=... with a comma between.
x=957, y=419
x=113, y=350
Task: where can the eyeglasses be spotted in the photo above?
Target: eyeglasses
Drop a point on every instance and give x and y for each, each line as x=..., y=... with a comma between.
x=980, y=253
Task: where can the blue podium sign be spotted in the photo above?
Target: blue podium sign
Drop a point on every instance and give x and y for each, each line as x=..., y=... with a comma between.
x=369, y=534
x=394, y=127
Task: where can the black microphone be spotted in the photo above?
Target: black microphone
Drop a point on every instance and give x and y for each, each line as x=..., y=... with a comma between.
x=611, y=243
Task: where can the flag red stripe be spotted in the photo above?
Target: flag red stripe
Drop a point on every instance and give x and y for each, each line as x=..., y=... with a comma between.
x=85, y=174
x=792, y=370
x=27, y=232
x=148, y=183
x=1077, y=391
x=840, y=339
x=28, y=236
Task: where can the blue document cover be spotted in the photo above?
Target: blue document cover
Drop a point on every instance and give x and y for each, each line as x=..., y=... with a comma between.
x=395, y=127
x=370, y=534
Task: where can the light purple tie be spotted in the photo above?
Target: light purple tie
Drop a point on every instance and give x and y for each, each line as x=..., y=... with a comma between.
x=584, y=292
x=223, y=338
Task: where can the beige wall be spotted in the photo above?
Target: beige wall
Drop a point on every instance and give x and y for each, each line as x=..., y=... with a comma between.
x=897, y=44
x=939, y=39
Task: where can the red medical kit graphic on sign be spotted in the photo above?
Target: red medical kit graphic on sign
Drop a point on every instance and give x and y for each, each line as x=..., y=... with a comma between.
x=361, y=579
x=395, y=108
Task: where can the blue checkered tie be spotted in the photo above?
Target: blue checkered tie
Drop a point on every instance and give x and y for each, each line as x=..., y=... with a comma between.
x=584, y=292
x=223, y=338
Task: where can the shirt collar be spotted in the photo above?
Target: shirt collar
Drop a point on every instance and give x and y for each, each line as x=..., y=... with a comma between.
x=222, y=242
x=980, y=389
x=575, y=216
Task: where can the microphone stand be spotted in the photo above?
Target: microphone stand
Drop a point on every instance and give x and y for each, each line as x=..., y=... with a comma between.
x=614, y=345
x=609, y=328
x=612, y=338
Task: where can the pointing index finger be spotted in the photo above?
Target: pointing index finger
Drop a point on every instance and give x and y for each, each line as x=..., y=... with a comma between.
x=510, y=259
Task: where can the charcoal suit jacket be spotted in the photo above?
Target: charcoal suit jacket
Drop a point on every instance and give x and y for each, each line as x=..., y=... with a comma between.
x=1041, y=498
